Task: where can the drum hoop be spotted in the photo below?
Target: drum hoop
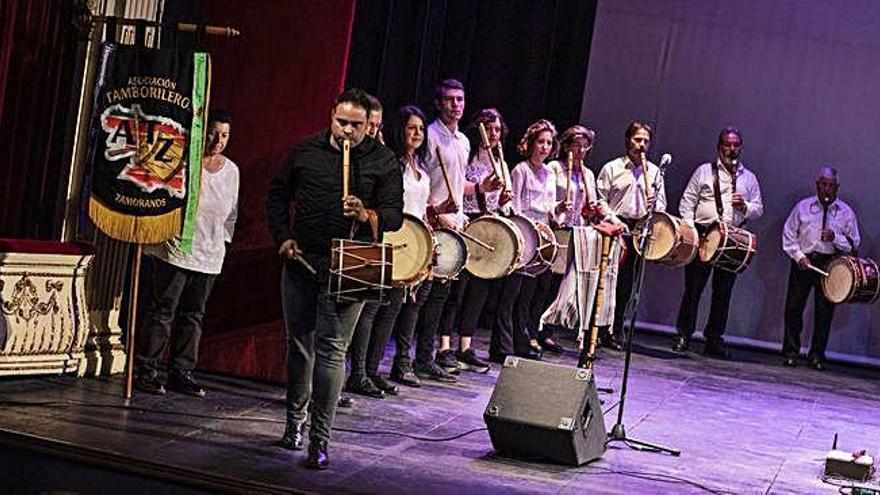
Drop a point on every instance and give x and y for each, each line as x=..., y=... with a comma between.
x=511, y=227
x=424, y=267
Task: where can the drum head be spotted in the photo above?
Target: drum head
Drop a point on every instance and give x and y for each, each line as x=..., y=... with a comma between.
x=531, y=239
x=503, y=236
x=452, y=253
x=663, y=237
x=710, y=243
x=839, y=283
x=413, y=250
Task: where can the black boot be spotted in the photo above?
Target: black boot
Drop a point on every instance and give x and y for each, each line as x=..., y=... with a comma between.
x=293, y=436
x=318, y=458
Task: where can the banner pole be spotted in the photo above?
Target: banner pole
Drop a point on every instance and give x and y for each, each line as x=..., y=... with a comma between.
x=132, y=317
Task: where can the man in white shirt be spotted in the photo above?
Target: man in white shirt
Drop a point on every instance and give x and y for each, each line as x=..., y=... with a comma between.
x=723, y=190
x=818, y=228
x=626, y=185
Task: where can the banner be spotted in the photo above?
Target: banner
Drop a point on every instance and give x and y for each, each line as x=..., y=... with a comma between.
x=145, y=157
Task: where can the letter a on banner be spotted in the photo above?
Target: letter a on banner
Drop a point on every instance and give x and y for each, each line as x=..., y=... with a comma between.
x=146, y=137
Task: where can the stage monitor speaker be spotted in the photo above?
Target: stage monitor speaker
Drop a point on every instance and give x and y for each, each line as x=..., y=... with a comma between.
x=546, y=411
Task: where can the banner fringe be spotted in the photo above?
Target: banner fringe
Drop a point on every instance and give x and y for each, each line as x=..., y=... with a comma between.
x=135, y=229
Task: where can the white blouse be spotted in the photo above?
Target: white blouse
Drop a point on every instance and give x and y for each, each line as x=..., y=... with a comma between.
x=415, y=190
x=534, y=191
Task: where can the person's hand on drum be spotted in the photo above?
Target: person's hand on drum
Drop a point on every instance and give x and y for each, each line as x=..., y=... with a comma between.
x=563, y=206
x=447, y=206
x=505, y=197
x=739, y=202
x=804, y=263
x=353, y=207
x=609, y=229
x=591, y=210
x=827, y=235
x=289, y=249
x=490, y=183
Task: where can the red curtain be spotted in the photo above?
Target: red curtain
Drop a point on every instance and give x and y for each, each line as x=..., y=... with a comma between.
x=278, y=80
x=37, y=57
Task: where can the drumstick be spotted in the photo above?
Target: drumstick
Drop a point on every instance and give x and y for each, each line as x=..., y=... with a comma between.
x=818, y=270
x=346, y=166
x=445, y=175
x=476, y=241
x=305, y=263
x=568, y=176
x=399, y=246
x=485, y=136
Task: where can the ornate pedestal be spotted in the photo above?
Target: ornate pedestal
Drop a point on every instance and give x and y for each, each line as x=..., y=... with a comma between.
x=104, y=351
x=43, y=311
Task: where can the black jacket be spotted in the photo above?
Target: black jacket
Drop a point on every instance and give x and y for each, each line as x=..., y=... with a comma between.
x=311, y=178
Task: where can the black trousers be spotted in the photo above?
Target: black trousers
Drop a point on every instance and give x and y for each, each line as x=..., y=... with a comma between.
x=696, y=274
x=800, y=283
x=178, y=299
x=625, y=276
x=511, y=333
x=371, y=335
x=409, y=325
x=474, y=302
x=454, y=305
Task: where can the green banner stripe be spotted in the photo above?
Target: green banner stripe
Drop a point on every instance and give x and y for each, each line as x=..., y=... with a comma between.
x=196, y=145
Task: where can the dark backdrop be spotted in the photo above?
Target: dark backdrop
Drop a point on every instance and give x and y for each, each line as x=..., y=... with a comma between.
x=38, y=43
x=526, y=58
x=798, y=77
x=278, y=80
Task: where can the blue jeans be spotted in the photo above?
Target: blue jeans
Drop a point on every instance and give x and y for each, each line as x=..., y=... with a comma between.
x=319, y=331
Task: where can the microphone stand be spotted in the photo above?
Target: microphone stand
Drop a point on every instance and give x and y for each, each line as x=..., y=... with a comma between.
x=618, y=432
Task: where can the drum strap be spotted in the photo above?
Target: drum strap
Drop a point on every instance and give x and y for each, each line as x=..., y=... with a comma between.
x=717, y=189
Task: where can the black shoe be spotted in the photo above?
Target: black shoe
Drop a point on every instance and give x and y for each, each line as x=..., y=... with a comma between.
x=497, y=358
x=447, y=360
x=384, y=385
x=345, y=401
x=318, y=458
x=681, y=344
x=184, y=382
x=364, y=386
x=149, y=382
x=532, y=353
x=610, y=342
x=405, y=377
x=434, y=372
x=817, y=364
x=469, y=361
x=552, y=346
x=293, y=436
x=716, y=349
x=789, y=362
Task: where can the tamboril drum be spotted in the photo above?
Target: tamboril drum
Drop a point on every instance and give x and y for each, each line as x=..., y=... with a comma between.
x=727, y=247
x=505, y=241
x=359, y=271
x=672, y=242
x=851, y=279
x=413, y=246
x=450, y=252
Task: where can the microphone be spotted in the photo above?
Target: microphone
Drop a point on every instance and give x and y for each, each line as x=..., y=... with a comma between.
x=665, y=160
